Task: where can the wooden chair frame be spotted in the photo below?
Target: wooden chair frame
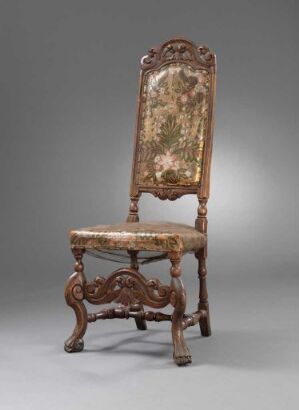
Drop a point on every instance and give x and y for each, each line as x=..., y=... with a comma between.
x=127, y=285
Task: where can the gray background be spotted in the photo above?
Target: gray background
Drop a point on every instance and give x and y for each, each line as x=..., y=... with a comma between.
x=68, y=80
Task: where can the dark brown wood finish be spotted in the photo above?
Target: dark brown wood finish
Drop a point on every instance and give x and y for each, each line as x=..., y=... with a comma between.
x=139, y=320
x=181, y=353
x=74, y=295
x=127, y=286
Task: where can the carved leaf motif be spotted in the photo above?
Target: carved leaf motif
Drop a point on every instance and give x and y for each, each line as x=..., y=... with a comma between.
x=166, y=193
x=126, y=297
x=127, y=286
x=176, y=51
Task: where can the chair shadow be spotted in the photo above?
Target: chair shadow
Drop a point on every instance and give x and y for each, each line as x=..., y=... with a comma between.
x=252, y=349
x=140, y=339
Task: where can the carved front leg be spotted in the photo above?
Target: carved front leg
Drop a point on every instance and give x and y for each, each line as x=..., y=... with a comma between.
x=140, y=323
x=181, y=353
x=74, y=295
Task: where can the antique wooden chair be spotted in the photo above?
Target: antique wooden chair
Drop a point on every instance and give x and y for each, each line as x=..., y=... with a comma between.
x=172, y=156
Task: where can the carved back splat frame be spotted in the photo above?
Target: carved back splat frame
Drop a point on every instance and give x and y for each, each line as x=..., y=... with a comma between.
x=127, y=286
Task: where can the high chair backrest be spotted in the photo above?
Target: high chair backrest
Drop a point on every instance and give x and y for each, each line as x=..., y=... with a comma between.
x=174, y=128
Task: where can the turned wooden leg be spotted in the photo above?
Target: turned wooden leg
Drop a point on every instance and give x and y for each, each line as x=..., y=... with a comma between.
x=140, y=323
x=181, y=353
x=74, y=295
x=205, y=325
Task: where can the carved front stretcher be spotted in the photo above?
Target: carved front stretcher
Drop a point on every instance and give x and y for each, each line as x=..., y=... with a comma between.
x=127, y=287
x=172, y=157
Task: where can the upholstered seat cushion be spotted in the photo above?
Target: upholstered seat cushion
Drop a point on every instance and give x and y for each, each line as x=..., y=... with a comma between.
x=149, y=236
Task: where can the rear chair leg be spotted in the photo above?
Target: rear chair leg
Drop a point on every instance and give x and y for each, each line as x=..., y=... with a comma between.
x=205, y=325
x=181, y=353
x=74, y=295
x=140, y=323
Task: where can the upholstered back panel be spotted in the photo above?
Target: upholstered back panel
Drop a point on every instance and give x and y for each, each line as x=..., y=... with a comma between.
x=174, y=122
x=173, y=125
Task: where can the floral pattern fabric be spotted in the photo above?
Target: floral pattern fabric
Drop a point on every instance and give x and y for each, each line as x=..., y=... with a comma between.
x=142, y=236
x=173, y=125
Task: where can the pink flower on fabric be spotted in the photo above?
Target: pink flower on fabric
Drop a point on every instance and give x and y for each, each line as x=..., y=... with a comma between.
x=184, y=99
x=167, y=161
x=201, y=78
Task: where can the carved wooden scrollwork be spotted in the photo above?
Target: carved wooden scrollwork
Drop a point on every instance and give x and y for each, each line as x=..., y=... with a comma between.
x=167, y=193
x=205, y=55
x=127, y=286
x=178, y=50
x=149, y=59
x=74, y=295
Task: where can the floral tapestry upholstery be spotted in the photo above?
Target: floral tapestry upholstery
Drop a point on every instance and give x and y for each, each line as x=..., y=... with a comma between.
x=148, y=236
x=173, y=125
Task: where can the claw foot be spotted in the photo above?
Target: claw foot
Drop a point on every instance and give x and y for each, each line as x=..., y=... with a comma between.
x=181, y=354
x=73, y=345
